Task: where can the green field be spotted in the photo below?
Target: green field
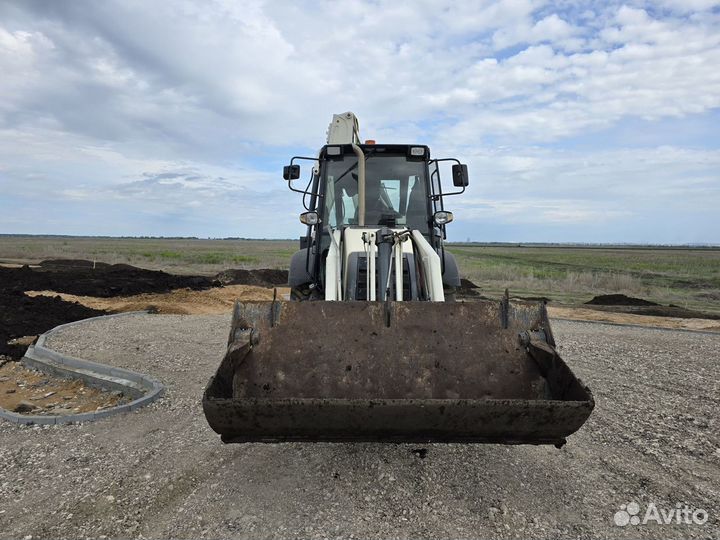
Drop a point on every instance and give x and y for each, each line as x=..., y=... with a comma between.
x=687, y=277
x=568, y=274
x=184, y=256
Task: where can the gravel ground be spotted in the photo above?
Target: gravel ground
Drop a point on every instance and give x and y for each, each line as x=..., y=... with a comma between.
x=654, y=437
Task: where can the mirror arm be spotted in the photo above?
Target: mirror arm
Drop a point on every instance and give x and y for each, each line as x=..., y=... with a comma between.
x=305, y=191
x=457, y=192
x=439, y=196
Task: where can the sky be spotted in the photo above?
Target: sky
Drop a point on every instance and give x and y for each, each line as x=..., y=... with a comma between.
x=579, y=121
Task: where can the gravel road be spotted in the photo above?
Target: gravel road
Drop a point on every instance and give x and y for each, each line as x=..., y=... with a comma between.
x=654, y=437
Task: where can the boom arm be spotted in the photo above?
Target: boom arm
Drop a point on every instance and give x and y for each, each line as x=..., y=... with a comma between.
x=344, y=129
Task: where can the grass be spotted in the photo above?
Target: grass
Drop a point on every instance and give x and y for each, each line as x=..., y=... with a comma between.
x=681, y=276
x=210, y=258
x=178, y=255
x=688, y=277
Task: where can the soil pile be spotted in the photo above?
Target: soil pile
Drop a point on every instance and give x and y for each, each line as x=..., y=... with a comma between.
x=178, y=302
x=619, y=300
x=659, y=311
x=619, y=303
x=72, y=263
x=263, y=277
x=104, y=280
x=21, y=316
x=467, y=289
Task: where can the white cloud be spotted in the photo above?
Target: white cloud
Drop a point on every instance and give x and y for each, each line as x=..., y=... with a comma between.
x=689, y=6
x=549, y=29
x=96, y=96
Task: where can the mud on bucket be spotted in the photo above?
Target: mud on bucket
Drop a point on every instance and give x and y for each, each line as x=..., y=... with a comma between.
x=398, y=372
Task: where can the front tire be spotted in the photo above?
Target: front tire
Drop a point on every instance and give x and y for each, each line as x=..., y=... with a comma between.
x=304, y=292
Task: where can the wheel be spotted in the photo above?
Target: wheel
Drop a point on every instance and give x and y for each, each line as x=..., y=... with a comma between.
x=304, y=292
x=450, y=294
x=299, y=294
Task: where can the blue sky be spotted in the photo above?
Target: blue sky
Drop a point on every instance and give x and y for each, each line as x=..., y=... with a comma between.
x=579, y=121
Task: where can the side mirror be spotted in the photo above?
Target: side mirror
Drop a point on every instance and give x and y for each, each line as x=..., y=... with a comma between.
x=291, y=172
x=309, y=218
x=442, y=217
x=460, y=175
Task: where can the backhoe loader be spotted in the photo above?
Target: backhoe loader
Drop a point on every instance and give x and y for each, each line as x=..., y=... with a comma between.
x=371, y=345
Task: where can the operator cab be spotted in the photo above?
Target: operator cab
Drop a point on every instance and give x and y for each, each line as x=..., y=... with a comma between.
x=402, y=192
x=396, y=187
x=402, y=189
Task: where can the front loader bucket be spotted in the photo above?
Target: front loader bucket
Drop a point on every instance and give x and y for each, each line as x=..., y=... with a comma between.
x=399, y=372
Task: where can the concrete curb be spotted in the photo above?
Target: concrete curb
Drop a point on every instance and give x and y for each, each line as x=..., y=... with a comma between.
x=143, y=388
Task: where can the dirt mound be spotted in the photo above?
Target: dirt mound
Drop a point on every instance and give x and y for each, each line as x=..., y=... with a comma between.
x=105, y=281
x=467, y=289
x=21, y=315
x=178, y=302
x=630, y=315
x=619, y=300
x=264, y=277
x=467, y=284
x=659, y=311
x=72, y=263
x=620, y=303
x=543, y=299
x=676, y=311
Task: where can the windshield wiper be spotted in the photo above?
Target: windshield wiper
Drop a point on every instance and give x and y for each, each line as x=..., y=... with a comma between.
x=367, y=156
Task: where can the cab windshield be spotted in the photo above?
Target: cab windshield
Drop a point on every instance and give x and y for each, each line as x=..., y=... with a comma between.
x=395, y=192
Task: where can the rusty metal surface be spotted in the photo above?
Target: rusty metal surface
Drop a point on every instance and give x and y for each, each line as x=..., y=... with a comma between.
x=398, y=372
x=492, y=421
